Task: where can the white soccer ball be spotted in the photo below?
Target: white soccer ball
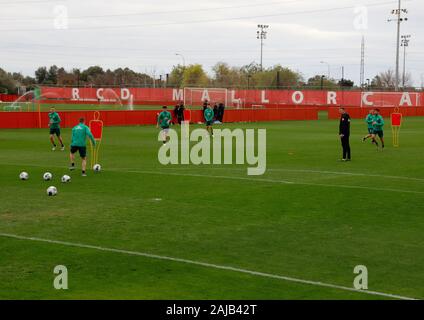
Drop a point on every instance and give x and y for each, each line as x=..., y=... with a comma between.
x=47, y=176
x=66, y=179
x=24, y=176
x=97, y=167
x=51, y=191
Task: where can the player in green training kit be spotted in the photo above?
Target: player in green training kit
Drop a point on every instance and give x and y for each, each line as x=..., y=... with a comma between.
x=54, y=125
x=164, y=119
x=79, y=136
x=369, y=120
x=209, y=114
x=378, y=125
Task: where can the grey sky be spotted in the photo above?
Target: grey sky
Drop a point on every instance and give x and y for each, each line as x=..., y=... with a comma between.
x=145, y=34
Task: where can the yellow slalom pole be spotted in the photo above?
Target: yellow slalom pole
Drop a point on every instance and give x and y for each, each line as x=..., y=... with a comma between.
x=94, y=152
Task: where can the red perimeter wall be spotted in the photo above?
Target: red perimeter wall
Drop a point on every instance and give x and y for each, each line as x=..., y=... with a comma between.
x=8, y=97
x=268, y=98
x=148, y=117
x=359, y=113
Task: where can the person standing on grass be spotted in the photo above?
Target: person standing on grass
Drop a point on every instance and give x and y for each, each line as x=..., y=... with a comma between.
x=369, y=120
x=209, y=115
x=205, y=106
x=54, y=125
x=79, y=137
x=378, y=125
x=176, y=111
x=221, y=109
x=164, y=120
x=180, y=114
x=344, y=133
x=215, y=111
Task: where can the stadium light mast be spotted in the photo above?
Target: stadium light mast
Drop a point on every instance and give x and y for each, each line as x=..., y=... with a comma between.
x=328, y=71
x=404, y=44
x=398, y=13
x=261, y=35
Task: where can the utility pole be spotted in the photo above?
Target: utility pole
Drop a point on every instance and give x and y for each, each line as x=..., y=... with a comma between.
x=404, y=44
x=398, y=13
x=261, y=35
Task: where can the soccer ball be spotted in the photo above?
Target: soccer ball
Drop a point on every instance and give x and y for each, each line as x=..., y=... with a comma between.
x=66, y=179
x=24, y=175
x=97, y=167
x=47, y=176
x=51, y=191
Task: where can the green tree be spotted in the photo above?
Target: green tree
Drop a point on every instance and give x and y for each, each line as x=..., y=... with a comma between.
x=273, y=77
x=195, y=76
x=7, y=83
x=226, y=76
x=346, y=83
x=52, y=75
x=89, y=75
x=318, y=82
x=41, y=75
x=176, y=76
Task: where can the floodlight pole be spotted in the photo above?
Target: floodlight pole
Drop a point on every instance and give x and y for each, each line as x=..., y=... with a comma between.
x=404, y=44
x=397, y=46
x=261, y=35
x=398, y=13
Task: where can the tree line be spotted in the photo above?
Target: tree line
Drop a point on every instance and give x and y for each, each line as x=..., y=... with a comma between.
x=250, y=76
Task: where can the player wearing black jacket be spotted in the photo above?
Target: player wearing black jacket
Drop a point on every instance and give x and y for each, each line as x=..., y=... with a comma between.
x=344, y=133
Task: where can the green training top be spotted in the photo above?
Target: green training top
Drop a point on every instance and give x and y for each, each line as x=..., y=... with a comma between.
x=164, y=119
x=369, y=120
x=79, y=135
x=209, y=114
x=54, y=120
x=379, y=123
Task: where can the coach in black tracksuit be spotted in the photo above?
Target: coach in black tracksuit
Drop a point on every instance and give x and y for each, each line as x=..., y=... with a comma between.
x=344, y=132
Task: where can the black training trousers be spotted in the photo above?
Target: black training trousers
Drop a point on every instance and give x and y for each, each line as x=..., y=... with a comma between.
x=346, y=147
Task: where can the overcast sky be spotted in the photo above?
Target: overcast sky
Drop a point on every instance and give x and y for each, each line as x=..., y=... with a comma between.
x=145, y=35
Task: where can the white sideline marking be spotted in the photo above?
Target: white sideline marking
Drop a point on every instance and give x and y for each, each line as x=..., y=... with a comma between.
x=268, y=180
x=321, y=172
x=208, y=265
x=349, y=174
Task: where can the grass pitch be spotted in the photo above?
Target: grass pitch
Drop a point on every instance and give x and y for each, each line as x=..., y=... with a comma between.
x=333, y=217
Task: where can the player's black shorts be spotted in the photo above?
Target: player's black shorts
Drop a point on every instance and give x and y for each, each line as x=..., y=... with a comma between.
x=209, y=123
x=379, y=133
x=55, y=131
x=370, y=130
x=82, y=151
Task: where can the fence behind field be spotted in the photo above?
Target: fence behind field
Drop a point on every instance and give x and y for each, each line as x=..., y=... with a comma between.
x=359, y=113
x=149, y=117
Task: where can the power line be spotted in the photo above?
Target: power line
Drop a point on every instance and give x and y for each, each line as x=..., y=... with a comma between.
x=28, y=2
x=202, y=21
x=157, y=12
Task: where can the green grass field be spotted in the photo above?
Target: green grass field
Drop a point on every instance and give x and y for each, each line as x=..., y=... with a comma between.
x=332, y=217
